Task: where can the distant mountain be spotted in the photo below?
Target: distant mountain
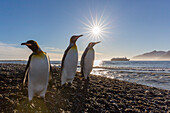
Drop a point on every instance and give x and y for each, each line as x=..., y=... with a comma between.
x=154, y=55
x=166, y=56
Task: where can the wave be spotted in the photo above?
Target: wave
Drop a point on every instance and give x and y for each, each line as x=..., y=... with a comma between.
x=135, y=69
x=154, y=79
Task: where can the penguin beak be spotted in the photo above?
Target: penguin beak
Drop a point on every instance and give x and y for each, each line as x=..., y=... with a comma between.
x=79, y=36
x=97, y=42
x=26, y=44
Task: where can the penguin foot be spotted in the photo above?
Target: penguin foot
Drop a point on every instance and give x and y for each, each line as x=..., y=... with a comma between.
x=69, y=84
x=81, y=77
x=88, y=78
x=63, y=86
x=59, y=87
x=42, y=99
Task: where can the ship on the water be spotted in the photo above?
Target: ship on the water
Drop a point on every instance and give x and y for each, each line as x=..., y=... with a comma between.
x=120, y=59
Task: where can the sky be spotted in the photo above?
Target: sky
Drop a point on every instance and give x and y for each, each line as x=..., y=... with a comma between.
x=132, y=27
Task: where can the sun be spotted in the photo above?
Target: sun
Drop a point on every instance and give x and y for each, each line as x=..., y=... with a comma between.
x=96, y=28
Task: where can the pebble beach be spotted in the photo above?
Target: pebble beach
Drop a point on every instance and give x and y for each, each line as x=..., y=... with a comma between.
x=100, y=94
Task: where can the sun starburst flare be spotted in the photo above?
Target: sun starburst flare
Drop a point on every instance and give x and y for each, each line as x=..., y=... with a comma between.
x=96, y=28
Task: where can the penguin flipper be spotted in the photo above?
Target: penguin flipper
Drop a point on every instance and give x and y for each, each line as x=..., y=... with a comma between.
x=64, y=56
x=50, y=76
x=50, y=72
x=26, y=71
x=82, y=61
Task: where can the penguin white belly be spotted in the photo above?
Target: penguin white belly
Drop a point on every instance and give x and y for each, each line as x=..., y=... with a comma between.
x=38, y=76
x=88, y=63
x=70, y=66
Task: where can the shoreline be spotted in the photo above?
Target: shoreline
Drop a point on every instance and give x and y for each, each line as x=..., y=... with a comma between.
x=101, y=94
x=149, y=78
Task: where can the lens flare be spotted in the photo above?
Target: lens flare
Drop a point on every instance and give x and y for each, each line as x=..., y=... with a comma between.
x=95, y=28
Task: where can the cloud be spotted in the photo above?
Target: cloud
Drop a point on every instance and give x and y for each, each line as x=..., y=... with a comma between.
x=56, y=53
x=53, y=50
x=13, y=52
x=17, y=52
x=54, y=56
x=9, y=51
x=3, y=44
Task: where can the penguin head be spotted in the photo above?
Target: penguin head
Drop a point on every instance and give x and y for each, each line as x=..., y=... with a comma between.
x=91, y=44
x=74, y=38
x=33, y=45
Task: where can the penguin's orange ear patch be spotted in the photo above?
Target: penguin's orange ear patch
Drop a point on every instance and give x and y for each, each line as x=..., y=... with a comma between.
x=28, y=44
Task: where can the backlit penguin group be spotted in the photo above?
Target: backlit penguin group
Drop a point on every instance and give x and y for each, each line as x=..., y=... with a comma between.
x=38, y=67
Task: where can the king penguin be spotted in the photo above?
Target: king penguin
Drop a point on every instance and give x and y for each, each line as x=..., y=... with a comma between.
x=87, y=60
x=37, y=70
x=69, y=62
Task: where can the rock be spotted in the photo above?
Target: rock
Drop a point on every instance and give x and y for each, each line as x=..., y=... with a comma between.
x=99, y=95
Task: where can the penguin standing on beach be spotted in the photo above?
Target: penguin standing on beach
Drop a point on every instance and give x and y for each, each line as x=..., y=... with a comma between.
x=69, y=62
x=37, y=70
x=87, y=60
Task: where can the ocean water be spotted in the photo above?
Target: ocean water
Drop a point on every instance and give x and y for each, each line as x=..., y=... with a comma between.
x=150, y=73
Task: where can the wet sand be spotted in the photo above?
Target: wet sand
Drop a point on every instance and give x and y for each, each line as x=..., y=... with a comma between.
x=100, y=94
